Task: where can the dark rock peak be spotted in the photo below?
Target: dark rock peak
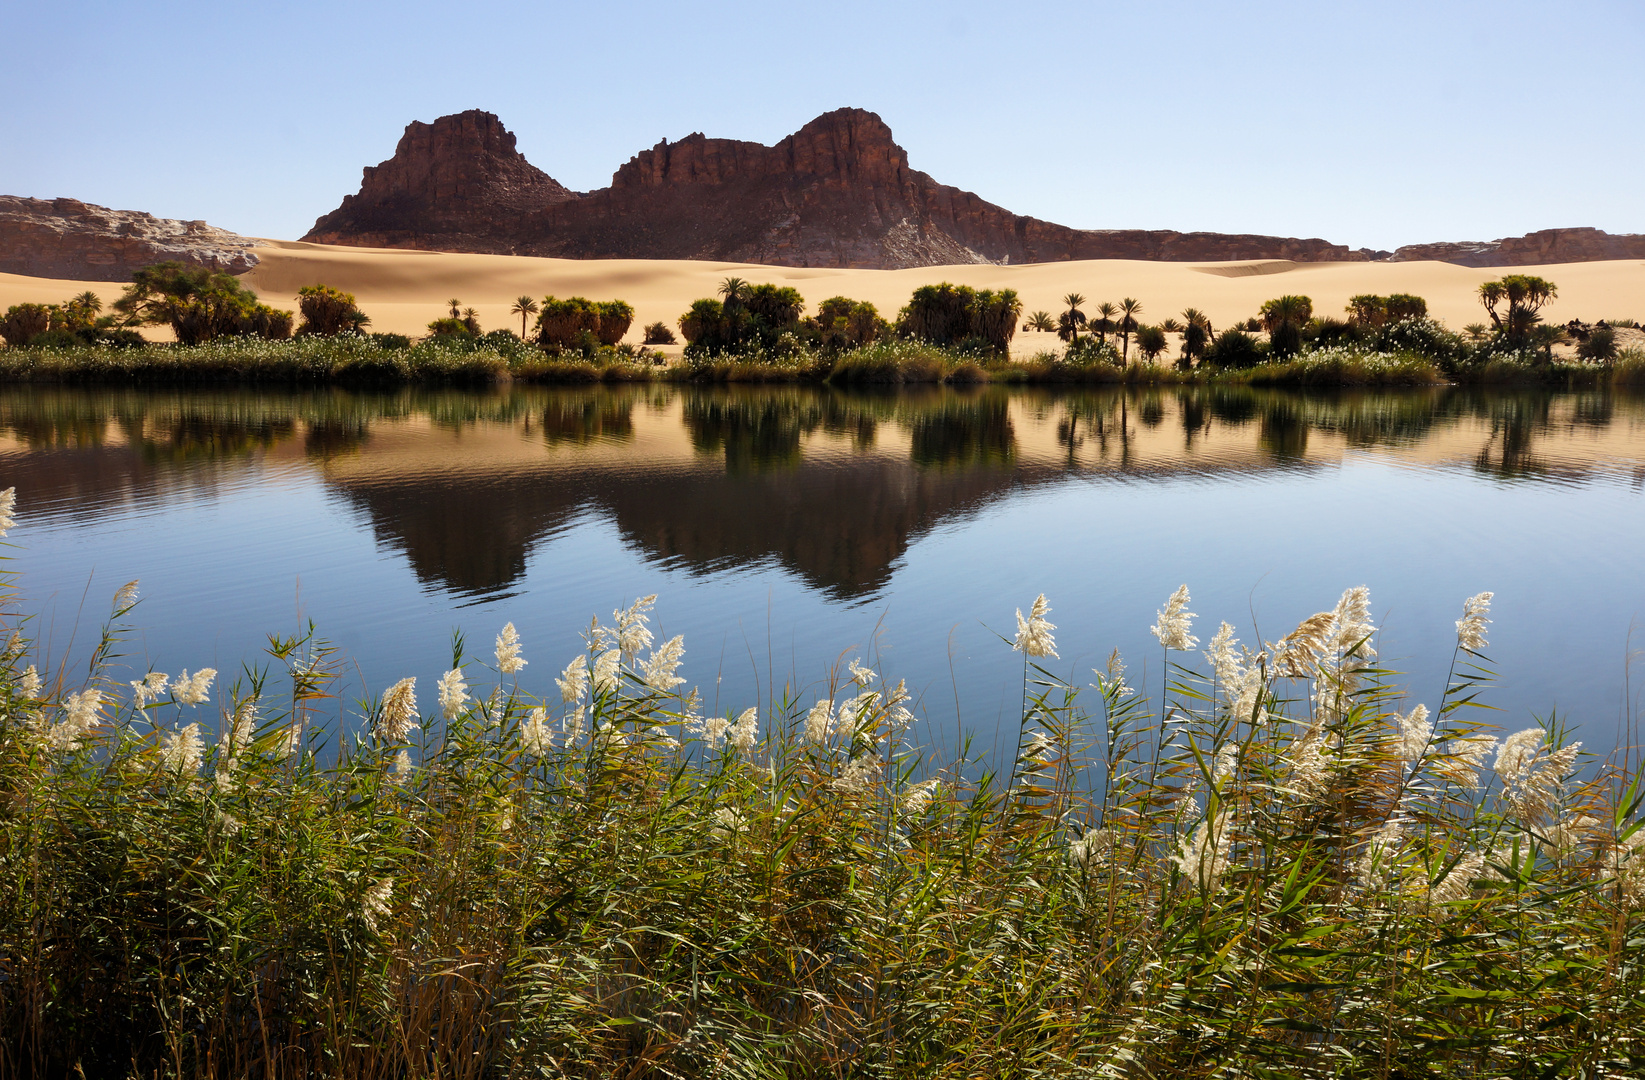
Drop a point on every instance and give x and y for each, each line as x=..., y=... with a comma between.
x=851, y=145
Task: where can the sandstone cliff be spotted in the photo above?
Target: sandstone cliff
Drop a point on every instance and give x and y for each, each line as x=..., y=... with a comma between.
x=1532, y=249
x=458, y=179
x=66, y=238
x=838, y=192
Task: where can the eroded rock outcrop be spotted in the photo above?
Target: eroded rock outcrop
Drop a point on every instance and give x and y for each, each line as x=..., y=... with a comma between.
x=838, y=192
x=457, y=184
x=1533, y=249
x=66, y=238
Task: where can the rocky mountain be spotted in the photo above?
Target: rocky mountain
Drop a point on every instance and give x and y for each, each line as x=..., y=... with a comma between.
x=1532, y=249
x=66, y=238
x=838, y=192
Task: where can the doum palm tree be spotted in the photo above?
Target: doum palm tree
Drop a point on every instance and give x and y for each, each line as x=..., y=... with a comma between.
x=1105, y=325
x=1129, y=310
x=1070, y=321
x=456, y=307
x=733, y=290
x=524, y=306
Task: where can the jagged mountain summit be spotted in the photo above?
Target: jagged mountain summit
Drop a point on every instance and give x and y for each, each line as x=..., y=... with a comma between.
x=839, y=192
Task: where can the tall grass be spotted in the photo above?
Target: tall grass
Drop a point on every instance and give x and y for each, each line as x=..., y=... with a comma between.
x=1275, y=868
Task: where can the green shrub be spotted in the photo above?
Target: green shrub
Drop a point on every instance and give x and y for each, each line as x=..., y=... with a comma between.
x=1234, y=349
x=658, y=333
x=327, y=312
x=22, y=323
x=616, y=316
x=1600, y=346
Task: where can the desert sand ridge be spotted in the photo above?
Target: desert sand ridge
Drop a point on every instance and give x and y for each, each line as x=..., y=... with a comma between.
x=403, y=290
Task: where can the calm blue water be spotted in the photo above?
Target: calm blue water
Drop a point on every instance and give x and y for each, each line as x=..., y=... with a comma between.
x=787, y=530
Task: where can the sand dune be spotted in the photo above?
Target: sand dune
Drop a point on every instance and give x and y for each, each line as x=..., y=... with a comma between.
x=403, y=290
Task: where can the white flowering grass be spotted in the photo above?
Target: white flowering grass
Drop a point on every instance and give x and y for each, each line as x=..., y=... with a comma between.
x=1286, y=869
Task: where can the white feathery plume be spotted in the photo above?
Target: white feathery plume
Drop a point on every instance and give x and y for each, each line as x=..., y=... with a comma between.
x=818, y=722
x=148, y=688
x=182, y=750
x=744, y=732
x=916, y=797
x=30, y=684
x=453, y=693
x=860, y=675
x=1571, y=832
x=377, y=903
x=1351, y=629
x=79, y=717
x=1221, y=656
x=1415, y=732
x=1536, y=794
x=1226, y=761
x=659, y=669
x=714, y=729
x=1461, y=759
x=1298, y=654
x=508, y=651
x=1093, y=846
x=1174, y=623
x=195, y=689
x=1037, y=748
x=607, y=667
x=573, y=682
x=1113, y=675
x=398, y=716
x=574, y=722
x=1034, y=633
x=536, y=737
x=1311, y=765
x=1458, y=882
x=856, y=714
x=124, y=598
x=632, y=632
x=854, y=778
x=1471, y=627
x=1203, y=857
x=727, y=824
x=8, y=508
x=1516, y=755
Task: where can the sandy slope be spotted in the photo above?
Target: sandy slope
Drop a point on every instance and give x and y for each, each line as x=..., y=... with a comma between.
x=403, y=290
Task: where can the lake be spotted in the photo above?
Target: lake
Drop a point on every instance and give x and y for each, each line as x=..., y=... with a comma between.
x=787, y=530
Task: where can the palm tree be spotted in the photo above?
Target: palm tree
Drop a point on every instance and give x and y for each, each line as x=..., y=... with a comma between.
x=1196, y=333
x=524, y=306
x=471, y=319
x=1106, y=324
x=456, y=308
x=1546, y=336
x=1040, y=321
x=1476, y=331
x=1151, y=341
x=734, y=290
x=1129, y=309
x=87, y=301
x=1069, y=323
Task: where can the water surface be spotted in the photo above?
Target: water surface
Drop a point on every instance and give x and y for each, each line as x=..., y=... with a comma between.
x=786, y=529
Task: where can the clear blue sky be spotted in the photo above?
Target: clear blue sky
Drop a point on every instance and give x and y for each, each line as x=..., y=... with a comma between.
x=1372, y=124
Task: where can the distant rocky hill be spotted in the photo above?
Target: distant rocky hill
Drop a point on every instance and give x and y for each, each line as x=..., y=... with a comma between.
x=838, y=192
x=66, y=238
x=1533, y=249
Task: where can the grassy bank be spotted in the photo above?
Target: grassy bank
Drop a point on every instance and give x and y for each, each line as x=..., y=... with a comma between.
x=349, y=360
x=1274, y=868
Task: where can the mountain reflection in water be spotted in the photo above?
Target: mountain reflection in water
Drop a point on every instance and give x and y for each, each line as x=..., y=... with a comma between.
x=832, y=486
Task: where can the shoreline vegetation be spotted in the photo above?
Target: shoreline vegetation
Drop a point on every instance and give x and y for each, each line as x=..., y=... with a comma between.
x=1269, y=862
x=760, y=333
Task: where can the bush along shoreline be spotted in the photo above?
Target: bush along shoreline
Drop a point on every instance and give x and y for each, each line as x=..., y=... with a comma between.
x=1266, y=864
x=760, y=333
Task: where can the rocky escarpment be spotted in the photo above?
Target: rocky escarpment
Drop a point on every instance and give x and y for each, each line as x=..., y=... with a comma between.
x=1533, y=249
x=66, y=238
x=838, y=192
x=457, y=184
